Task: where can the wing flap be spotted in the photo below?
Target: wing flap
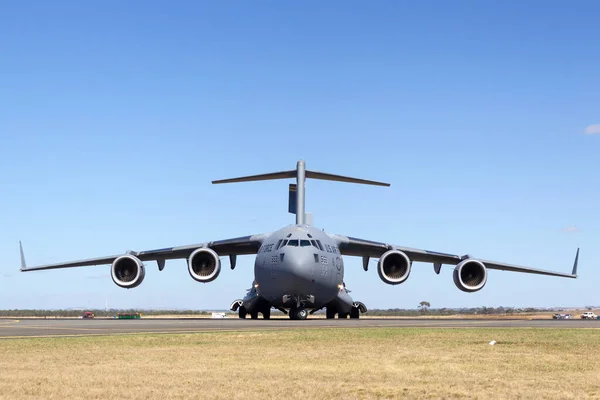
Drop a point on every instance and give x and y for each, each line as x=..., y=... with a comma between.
x=359, y=247
x=238, y=246
x=429, y=256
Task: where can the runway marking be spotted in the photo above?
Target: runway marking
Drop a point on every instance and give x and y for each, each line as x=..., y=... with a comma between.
x=177, y=331
x=52, y=328
x=219, y=330
x=141, y=333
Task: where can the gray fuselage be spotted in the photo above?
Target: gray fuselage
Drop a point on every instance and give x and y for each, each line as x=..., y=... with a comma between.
x=299, y=263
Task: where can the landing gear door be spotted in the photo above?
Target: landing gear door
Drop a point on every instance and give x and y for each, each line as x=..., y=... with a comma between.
x=338, y=270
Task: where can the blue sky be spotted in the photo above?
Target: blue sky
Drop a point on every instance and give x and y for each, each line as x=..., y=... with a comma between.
x=115, y=117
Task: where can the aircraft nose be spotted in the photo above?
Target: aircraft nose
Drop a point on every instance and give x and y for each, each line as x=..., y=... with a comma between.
x=298, y=272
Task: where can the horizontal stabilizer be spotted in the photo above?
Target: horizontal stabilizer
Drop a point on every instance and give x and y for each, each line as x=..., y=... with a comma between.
x=340, y=178
x=260, y=177
x=292, y=174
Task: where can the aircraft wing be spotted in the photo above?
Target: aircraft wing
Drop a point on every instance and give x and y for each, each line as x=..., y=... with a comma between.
x=366, y=248
x=235, y=246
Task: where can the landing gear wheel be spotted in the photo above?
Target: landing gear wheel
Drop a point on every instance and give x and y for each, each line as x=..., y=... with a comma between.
x=298, y=313
x=254, y=315
x=354, y=313
x=267, y=314
x=342, y=315
x=330, y=313
x=301, y=313
x=242, y=312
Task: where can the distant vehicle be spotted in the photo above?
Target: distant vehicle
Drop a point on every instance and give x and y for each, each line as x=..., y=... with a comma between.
x=562, y=316
x=569, y=316
x=88, y=314
x=128, y=316
x=588, y=315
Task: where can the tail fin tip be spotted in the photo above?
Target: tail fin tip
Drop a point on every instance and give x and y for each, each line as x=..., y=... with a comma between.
x=23, y=263
x=574, y=273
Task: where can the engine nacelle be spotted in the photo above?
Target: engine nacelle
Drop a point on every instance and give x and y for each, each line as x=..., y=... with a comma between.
x=394, y=267
x=127, y=271
x=470, y=275
x=204, y=265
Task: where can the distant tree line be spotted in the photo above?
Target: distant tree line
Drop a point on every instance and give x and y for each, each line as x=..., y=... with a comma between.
x=421, y=310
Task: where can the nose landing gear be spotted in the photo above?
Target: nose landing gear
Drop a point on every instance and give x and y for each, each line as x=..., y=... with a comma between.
x=298, y=304
x=298, y=313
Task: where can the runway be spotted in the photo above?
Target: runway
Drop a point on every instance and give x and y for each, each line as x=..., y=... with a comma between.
x=14, y=328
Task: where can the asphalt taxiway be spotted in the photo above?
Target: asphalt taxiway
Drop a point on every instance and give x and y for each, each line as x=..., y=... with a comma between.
x=20, y=328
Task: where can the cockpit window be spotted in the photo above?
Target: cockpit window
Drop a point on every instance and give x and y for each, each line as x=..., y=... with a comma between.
x=278, y=244
x=305, y=243
x=314, y=243
x=320, y=245
x=293, y=242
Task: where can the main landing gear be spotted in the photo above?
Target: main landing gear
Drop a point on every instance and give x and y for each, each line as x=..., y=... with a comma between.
x=266, y=312
x=263, y=308
x=355, y=311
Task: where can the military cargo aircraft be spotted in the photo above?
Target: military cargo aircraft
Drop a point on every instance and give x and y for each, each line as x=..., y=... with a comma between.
x=298, y=269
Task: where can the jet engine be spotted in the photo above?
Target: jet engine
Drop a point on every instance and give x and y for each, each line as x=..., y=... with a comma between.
x=394, y=267
x=470, y=275
x=127, y=271
x=204, y=265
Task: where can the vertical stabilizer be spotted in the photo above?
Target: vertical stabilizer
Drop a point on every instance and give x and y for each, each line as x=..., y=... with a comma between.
x=300, y=179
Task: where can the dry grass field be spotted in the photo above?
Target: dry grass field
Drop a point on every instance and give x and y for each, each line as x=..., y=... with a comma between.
x=307, y=364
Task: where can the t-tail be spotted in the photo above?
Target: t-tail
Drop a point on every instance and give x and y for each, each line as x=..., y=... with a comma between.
x=296, y=191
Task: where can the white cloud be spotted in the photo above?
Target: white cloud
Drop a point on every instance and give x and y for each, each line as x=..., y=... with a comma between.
x=592, y=129
x=571, y=229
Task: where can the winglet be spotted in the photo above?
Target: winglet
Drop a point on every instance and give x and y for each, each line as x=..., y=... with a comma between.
x=574, y=273
x=23, y=263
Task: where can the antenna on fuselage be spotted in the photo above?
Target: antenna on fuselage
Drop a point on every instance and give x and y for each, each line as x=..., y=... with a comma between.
x=296, y=202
